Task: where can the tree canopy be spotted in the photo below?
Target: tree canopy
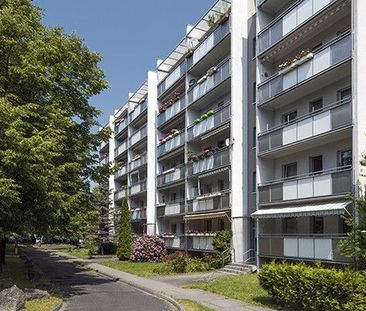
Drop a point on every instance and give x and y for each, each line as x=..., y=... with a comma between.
x=47, y=143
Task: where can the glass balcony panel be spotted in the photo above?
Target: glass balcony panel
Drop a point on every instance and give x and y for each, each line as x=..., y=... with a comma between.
x=120, y=194
x=175, y=175
x=329, y=56
x=172, y=111
x=138, y=187
x=138, y=162
x=217, y=160
x=121, y=148
x=171, y=144
x=138, y=214
x=203, y=243
x=122, y=171
x=172, y=77
x=139, y=135
x=122, y=125
x=221, y=201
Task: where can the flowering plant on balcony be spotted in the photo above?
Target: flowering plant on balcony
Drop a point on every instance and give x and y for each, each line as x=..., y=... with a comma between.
x=291, y=62
x=209, y=73
x=188, y=53
x=168, y=234
x=170, y=101
x=218, y=18
x=192, y=157
x=168, y=136
x=205, y=153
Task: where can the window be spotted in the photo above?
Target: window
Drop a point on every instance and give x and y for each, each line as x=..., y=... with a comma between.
x=289, y=225
x=174, y=228
x=221, y=184
x=289, y=117
x=254, y=137
x=208, y=225
x=254, y=50
x=221, y=224
x=173, y=196
x=318, y=225
x=344, y=158
x=208, y=188
x=345, y=94
x=254, y=182
x=254, y=92
x=182, y=227
x=182, y=194
x=316, y=105
x=316, y=164
x=290, y=170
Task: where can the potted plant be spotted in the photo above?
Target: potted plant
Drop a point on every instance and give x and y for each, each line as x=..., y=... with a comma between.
x=197, y=120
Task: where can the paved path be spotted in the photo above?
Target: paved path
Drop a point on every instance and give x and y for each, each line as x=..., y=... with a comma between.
x=88, y=291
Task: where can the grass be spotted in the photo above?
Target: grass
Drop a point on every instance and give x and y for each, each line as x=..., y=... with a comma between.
x=137, y=268
x=243, y=287
x=15, y=272
x=81, y=253
x=190, y=305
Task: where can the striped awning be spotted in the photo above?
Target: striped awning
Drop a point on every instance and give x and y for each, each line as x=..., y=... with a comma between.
x=205, y=216
x=321, y=209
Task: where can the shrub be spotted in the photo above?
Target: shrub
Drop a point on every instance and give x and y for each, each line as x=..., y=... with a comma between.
x=148, y=248
x=109, y=248
x=300, y=287
x=222, y=241
x=124, y=247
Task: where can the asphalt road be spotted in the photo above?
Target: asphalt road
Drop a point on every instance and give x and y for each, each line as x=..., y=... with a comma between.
x=86, y=290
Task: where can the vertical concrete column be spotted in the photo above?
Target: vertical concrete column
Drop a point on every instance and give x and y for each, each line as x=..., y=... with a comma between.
x=111, y=184
x=152, y=102
x=239, y=128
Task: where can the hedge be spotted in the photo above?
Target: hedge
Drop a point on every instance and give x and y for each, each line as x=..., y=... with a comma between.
x=304, y=288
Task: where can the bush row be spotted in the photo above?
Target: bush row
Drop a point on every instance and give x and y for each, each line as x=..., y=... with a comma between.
x=304, y=288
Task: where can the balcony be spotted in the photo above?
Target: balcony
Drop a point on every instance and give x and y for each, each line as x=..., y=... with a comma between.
x=172, y=77
x=174, y=241
x=328, y=120
x=121, y=172
x=171, y=208
x=139, y=109
x=302, y=247
x=210, y=202
x=288, y=21
x=120, y=194
x=210, y=82
x=217, y=160
x=104, y=161
x=219, y=117
x=137, y=162
x=171, y=111
x=138, y=214
x=121, y=148
x=171, y=176
x=200, y=242
x=330, y=56
x=121, y=126
x=139, y=135
x=209, y=43
x=171, y=144
x=333, y=182
x=138, y=187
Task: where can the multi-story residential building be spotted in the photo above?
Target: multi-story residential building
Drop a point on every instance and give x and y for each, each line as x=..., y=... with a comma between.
x=253, y=125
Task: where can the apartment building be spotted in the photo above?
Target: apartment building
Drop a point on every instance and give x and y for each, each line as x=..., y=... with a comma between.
x=251, y=124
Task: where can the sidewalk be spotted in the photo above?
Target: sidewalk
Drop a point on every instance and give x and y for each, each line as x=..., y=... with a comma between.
x=208, y=299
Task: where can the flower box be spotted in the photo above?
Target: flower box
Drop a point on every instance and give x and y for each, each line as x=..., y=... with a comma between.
x=296, y=63
x=168, y=236
x=210, y=195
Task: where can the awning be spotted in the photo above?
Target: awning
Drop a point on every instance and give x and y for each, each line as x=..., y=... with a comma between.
x=321, y=209
x=205, y=216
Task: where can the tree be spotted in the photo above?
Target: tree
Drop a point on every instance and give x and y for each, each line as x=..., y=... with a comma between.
x=47, y=146
x=124, y=247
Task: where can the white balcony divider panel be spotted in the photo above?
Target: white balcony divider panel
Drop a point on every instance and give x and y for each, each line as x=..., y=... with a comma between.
x=202, y=243
x=308, y=187
x=203, y=205
x=314, y=248
x=172, y=209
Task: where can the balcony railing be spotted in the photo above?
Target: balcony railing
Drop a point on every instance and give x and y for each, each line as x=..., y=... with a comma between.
x=138, y=162
x=328, y=119
x=221, y=116
x=171, y=208
x=222, y=73
x=322, y=247
x=217, y=160
x=210, y=42
x=288, y=21
x=120, y=194
x=122, y=171
x=121, y=148
x=139, y=135
x=171, y=111
x=171, y=144
x=336, y=181
x=200, y=243
x=121, y=126
x=140, y=108
x=210, y=202
x=177, y=242
x=330, y=55
x=138, y=214
x=171, y=175
x=137, y=187
x=172, y=77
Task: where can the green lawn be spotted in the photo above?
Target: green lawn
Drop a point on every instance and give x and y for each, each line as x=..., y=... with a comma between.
x=42, y=304
x=242, y=287
x=190, y=305
x=77, y=252
x=137, y=268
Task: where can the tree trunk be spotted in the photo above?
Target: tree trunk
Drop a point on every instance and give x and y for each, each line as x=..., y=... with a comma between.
x=2, y=250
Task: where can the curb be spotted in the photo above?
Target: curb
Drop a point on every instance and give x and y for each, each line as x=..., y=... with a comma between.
x=59, y=306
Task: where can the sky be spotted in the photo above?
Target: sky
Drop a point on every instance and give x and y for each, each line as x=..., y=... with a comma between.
x=130, y=36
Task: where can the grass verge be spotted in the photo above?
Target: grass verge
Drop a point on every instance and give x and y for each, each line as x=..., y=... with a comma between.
x=242, y=287
x=137, y=268
x=42, y=304
x=190, y=305
x=81, y=253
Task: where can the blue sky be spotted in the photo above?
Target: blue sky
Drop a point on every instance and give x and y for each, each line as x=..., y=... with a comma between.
x=130, y=35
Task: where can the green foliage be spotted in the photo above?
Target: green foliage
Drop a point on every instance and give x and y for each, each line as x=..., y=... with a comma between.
x=47, y=147
x=354, y=247
x=124, y=248
x=300, y=287
x=222, y=241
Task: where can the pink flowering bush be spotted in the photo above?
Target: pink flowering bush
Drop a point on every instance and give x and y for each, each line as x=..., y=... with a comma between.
x=148, y=248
